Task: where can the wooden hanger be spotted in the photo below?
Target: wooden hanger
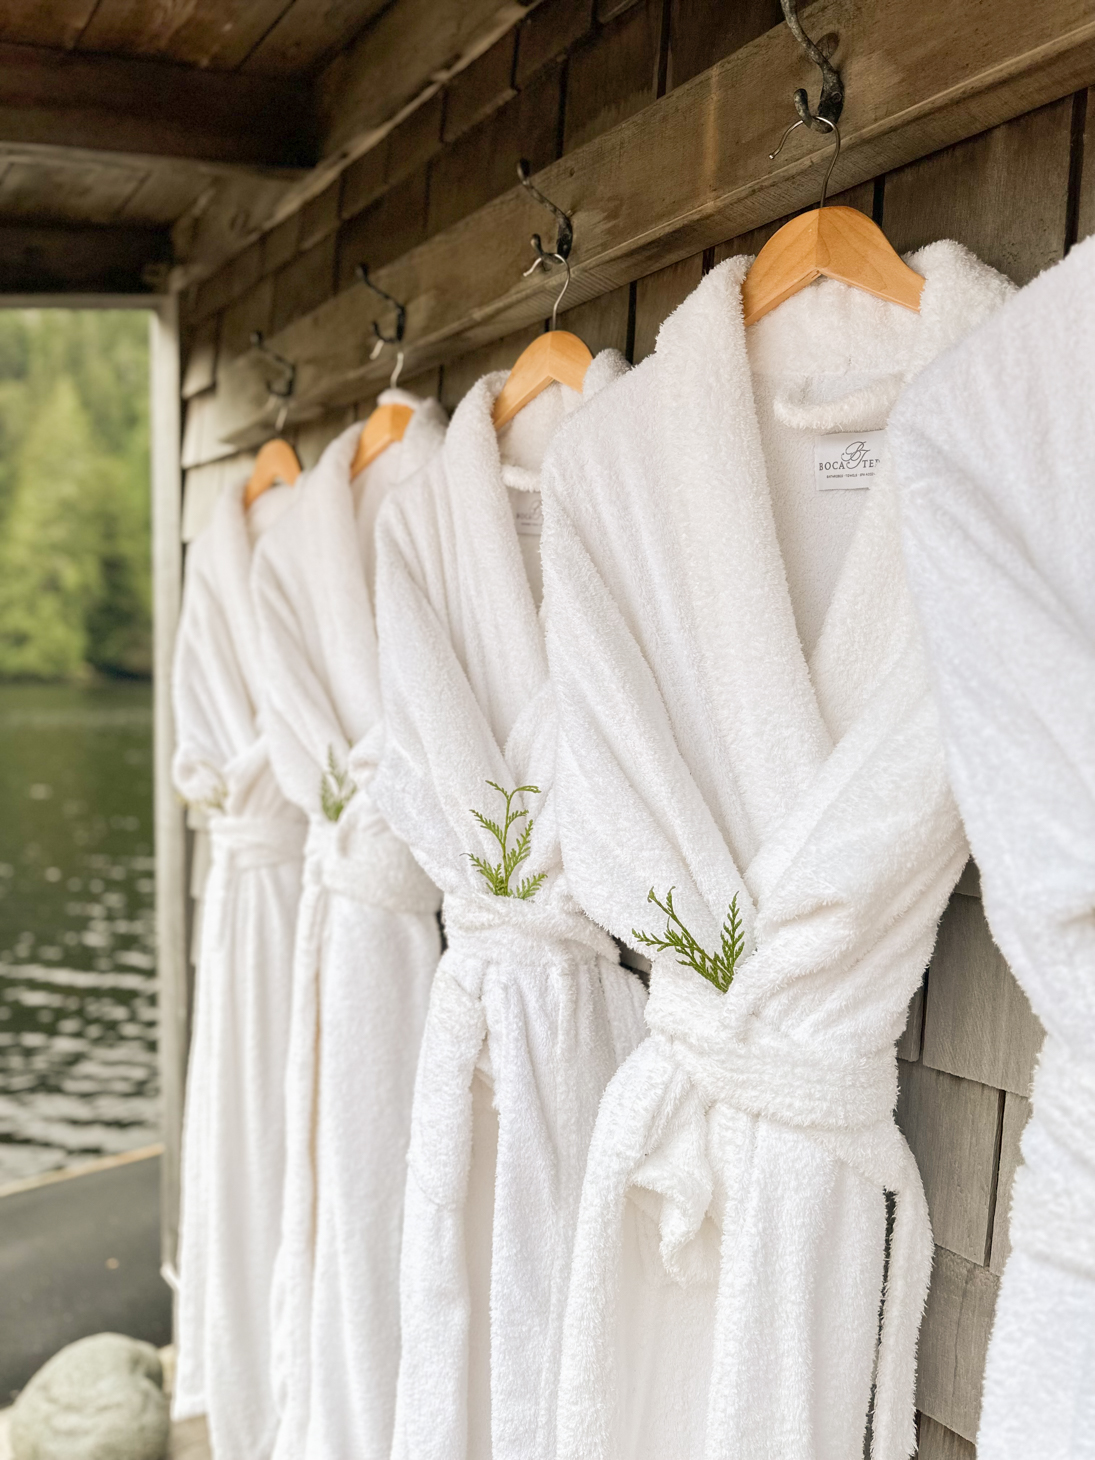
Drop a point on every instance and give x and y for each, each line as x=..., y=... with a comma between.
x=555, y=356
x=834, y=242
x=276, y=462
x=384, y=428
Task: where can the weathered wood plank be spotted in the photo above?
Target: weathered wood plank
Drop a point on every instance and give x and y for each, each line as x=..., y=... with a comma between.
x=56, y=260
x=217, y=33
x=55, y=23
x=48, y=190
x=147, y=107
x=649, y=193
x=201, y=359
x=704, y=31
x=908, y=1046
x=939, y=1443
x=952, y=1126
x=549, y=33
x=1003, y=194
x=1085, y=213
x=614, y=74
x=1016, y=1115
x=397, y=56
x=485, y=86
x=200, y=441
x=602, y=323
x=252, y=311
x=969, y=884
x=978, y=1023
x=657, y=296
x=304, y=283
x=308, y=33
x=954, y=1338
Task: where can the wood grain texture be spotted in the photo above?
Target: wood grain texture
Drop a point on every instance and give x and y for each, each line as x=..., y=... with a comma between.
x=692, y=170
x=549, y=33
x=602, y=323
x=54, y=23
x=252, y=311
x=166, y=190
x=613, y=74
x=403, y=151
x=1085, y=213
x=1016, y=1115
x=657, y=296
x=65, y=98
x=320, y=215
x=385, y=229
x=952, y=1127
x=702, y=32
x=481, y=89
x=1003, y=194
x=201, y=443
x=304, y=283
x=397, y=56
x=219, y=33
x=954, y=1338
x=308, y=34
x=45, y=191
x=978, y=1023
x=939, y=1443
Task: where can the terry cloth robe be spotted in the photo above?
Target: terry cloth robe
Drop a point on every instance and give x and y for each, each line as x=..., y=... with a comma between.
x=368, y=942
x=744, y=711
x=996, y=451
x=530, y=1012
x=234, y=1130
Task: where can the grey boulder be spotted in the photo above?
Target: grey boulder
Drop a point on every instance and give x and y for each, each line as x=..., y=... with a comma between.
x=99, y=1399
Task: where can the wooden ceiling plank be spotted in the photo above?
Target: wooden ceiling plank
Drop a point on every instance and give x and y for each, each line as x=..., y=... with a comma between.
x=305, y=37
x=135, y=106
x=57, y=23
x=688, y=172
x=165, y=193
x=216, y=33
x=41, y=191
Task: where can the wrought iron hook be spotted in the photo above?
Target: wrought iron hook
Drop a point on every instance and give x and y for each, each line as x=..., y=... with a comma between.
x=564, y=240
x=400, y=309
x=285, y=389
x=831, y=103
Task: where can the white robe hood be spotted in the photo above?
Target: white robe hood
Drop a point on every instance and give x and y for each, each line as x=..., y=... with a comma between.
x=728, y=1267
x=368, y=942
x=528, y=988
x=996, y=451
x=234, y=1128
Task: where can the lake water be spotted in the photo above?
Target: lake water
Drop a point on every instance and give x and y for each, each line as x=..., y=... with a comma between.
x=78, y=1074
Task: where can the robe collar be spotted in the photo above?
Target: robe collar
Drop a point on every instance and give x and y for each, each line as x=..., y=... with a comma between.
x=779, y=721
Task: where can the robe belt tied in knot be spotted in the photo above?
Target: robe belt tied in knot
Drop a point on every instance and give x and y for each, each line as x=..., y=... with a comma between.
x=484, y=928
x=360, y=857
x=1053, y=1206
x=256, y=841
x=737, y=1058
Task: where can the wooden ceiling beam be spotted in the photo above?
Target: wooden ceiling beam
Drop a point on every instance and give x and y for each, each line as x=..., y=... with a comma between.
x=110, y=104
x=43, y=260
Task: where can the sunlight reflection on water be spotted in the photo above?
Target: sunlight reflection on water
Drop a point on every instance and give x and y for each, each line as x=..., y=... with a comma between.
x=78, y=1074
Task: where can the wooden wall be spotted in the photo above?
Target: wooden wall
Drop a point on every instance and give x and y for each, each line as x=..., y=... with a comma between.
x=1018, y=196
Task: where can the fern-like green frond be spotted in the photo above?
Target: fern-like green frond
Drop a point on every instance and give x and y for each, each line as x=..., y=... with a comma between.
x=497, y=875
x=718, y=968
x=336, y=788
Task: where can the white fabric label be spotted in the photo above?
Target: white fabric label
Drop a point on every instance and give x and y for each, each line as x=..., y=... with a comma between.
x=848, y=460
x=528, y=514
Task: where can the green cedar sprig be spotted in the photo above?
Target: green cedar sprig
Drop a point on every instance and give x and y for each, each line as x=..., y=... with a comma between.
x=497, y=875
x=718, y=968
x=336, y=789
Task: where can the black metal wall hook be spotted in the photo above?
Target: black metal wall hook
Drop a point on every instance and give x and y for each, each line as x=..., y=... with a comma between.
x=285, y=389
x=564, y=241
x=400, y=309
x=831, y=103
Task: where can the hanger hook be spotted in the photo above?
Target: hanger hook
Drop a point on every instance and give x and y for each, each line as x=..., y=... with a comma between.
x=564, y=240
x=537, y=263
x=397, y=372
x=285, y=389
x=832, y=161
x=831, y=103
x=400, y=309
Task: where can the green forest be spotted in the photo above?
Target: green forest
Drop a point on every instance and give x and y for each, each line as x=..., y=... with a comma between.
x=75, y=571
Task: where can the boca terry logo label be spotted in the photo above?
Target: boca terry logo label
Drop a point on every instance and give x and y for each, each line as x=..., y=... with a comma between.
x=848, y=460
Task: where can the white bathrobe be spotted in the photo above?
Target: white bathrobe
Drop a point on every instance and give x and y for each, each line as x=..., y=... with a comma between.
x=368, y=942
x=529, y=998
x=743, y=709
x=234, y=1129
x=996, y=452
